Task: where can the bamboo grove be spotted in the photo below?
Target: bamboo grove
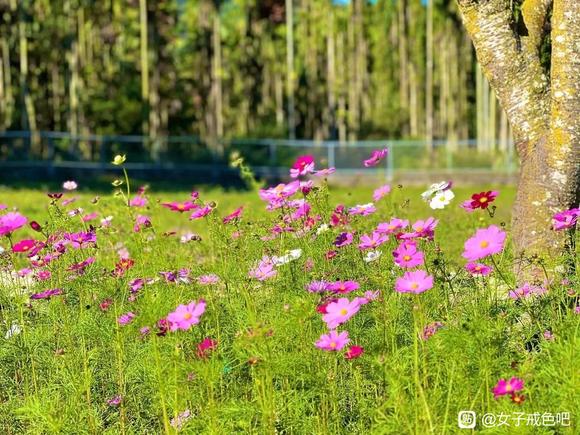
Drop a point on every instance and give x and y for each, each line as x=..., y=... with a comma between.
x=313, y=69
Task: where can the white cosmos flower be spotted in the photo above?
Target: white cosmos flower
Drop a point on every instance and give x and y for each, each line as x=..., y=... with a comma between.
x=441, y=199
x=290, y=256
x=435, y=188
x=15, y=329
x=69, y=185
x=372, y=256
x=322, y=229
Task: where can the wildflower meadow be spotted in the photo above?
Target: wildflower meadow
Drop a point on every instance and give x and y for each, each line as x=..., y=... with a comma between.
x=296, y=308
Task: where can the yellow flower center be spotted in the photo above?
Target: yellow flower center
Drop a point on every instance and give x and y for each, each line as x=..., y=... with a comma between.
x=419, y=229
x=508, y=387
x=343, y=312
x=483, y=199
x=484, y=244
x=414, y=285
x=407, y=257
x=181, y=206
x=333, y=344
x=187, y=316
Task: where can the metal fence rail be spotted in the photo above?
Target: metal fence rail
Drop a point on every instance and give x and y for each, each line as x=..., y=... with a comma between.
x=268, y=156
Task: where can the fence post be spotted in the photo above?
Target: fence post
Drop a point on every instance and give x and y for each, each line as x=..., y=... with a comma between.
x=390, y=161
x=331, y=154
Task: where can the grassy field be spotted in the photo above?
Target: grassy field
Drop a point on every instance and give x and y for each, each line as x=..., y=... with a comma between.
x=72, y=363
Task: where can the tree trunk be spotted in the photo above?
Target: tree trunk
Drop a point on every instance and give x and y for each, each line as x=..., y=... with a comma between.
x=543, y=110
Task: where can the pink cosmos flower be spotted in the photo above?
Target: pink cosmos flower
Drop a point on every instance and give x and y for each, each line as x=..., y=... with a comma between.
x=318, y=286
x=69, y=201
x=125, y=319
x=340, y=311
x=185, y=316
x=393, y=226
x=373, y=241
x=406, y=255
x=504, y=387
x=414, y=282
x=276, y=195
x=236, y=214
x=47, y=294
x=325, y=172
x=180, y=206
x=81, y=239
x=43, y=275
x=80, y=267
x=27, y=245
x=10, y=222
x=343, y=287
x=201, y=212
x=362, y=209
x=526, y=291
x=466, y=205
x=138, y=201
x=565, y=219
x=423, y=229
x=380, y=192
x=69, y=185
x=376, y=157
x=303, y=165
x=333, y=341
x=141, y=222
x=89, y=217
x=343, y=239
x=487, y=241
x=115, y=401
x=264, y=270
x=478, y=269
x=208, y=279
x=354, y=352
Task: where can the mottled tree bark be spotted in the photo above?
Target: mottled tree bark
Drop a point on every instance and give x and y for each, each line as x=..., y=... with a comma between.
x=543, y=109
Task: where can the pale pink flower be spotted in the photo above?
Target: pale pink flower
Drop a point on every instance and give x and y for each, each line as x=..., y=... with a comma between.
x=185, y=316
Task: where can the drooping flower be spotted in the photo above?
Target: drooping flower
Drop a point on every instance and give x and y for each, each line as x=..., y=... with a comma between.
x=90, y=216
x=10, y=222
x=483, y=199
x=406, y=255
x=333, y=341
x=526, y=291
x=235, y=215
x=441, y=199
x=141, y=221
x=119, y=159
x=486, y=241
x=276, y=195
x=205, y=347
x=80, y=267
x=362, y=209
x=125, y=319
x=354, y=352
x=373, y=241
x=303, y=165
x=343, y=239
x=478, y=269
x=185, y=316
x=380, y=192
x=372, y=256
x=416, y=281
x=201, y=212
x=339, y=312
x=46, y=294
x=69, y=185
x=504, y=387
x=376, y=157
x=325, y=172
x=264, y=270
x=180, y=206
x=565, y=219
x=343, y=287
x=208, y=279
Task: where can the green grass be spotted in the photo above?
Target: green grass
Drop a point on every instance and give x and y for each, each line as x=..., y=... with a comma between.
x=266, y=376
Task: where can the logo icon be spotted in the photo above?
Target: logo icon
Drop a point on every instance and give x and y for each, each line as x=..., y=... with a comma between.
x=466, y=419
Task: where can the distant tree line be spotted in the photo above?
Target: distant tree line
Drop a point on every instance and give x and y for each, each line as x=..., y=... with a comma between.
x=244, y=68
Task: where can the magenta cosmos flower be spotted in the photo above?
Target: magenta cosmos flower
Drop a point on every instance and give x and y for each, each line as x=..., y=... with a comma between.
x=380, y=192
x=487, y=241
x=276, y=195
x=343, y=239
x=504, y=387
x=81, y=239
x=125, y=319
x=376, y=157
x=565, y=219
x=333, y=341
x=303, y=165
x=185, y=316
x=354, y=352
x=478, y=269
x=236, y=214
x=373, y=241
x=201, y=212
x=28, y=245
x=344, y=286
x=10, y=222
x=47, y=294
x=414, y=282
x=407, y=255
x=340, y=311
x=180, y=206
